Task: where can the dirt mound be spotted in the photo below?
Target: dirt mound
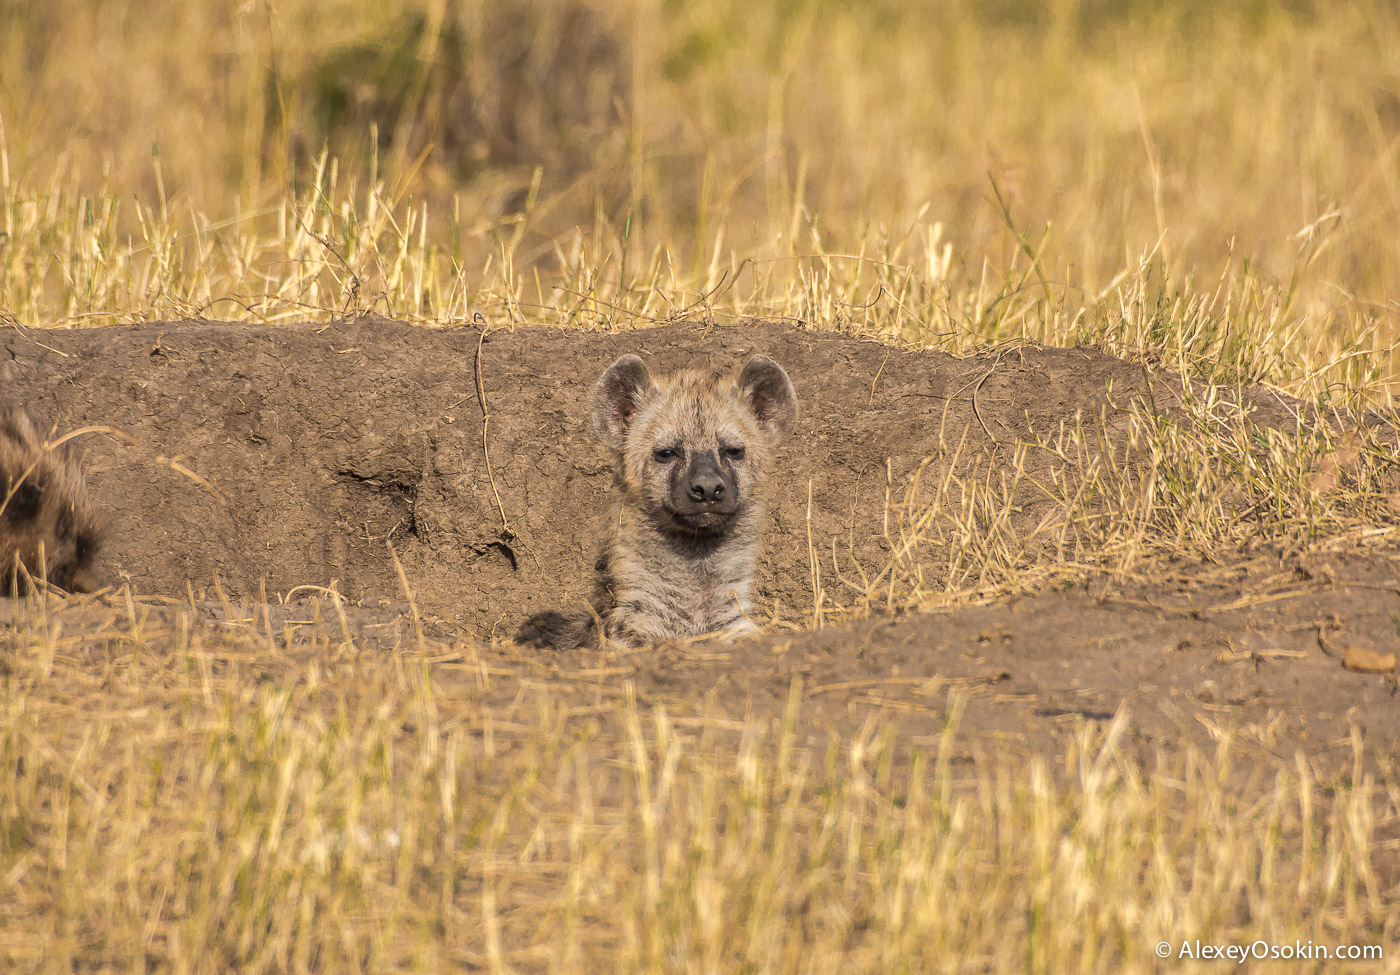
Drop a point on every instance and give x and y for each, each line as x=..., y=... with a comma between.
x=286, y=456
x=308, y=447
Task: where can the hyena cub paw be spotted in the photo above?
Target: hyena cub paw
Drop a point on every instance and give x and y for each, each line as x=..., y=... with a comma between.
x=692, y=453
x=48, y=528
x=553, y=630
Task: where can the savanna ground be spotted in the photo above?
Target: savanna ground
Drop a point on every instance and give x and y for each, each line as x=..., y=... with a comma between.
x=1080, y=603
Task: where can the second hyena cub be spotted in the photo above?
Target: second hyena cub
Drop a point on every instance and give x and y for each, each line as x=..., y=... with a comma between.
x=692, y=451
x=47, y=526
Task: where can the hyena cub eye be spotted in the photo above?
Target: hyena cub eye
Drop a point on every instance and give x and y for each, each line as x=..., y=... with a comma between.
x=734, y=453
x=664, y=455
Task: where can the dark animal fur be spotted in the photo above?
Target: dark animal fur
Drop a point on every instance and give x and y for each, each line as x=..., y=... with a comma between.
x=48, y=529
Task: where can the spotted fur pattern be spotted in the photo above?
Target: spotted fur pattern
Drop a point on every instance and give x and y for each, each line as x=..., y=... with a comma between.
x=47, y=524
x=671, y=567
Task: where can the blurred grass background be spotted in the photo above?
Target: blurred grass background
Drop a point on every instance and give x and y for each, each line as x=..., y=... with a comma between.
x=1097, y=171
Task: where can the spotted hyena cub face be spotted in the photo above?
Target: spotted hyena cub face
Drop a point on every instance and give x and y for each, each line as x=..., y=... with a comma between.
x=693, y=448
x=46, y=522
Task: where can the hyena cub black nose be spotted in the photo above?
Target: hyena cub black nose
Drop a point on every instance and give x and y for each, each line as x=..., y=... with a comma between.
x=691, y=456
x=47, y=526
x=707, y=484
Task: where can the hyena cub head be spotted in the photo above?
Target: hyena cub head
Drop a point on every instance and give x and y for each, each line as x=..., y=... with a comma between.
x=693, y=448
x=46, y=521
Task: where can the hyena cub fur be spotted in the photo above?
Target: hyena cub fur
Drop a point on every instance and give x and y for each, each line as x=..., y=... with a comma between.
x=692, y=452
x=47, y=524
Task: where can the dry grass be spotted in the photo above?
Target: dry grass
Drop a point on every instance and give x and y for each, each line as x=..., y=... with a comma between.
x=1198, y=476
x=196, y=795
x=1211, y=187
x=1215, y=185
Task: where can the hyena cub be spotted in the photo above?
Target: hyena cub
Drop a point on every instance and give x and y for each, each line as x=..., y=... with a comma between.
x=691, y=451
x=47, y=524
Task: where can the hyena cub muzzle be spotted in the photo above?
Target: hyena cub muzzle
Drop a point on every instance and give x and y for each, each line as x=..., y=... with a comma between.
x=692, y=452
x=47, y=526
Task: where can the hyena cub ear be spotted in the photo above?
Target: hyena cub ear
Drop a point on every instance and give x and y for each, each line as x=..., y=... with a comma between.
x=769, y=393
x=616, y=398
